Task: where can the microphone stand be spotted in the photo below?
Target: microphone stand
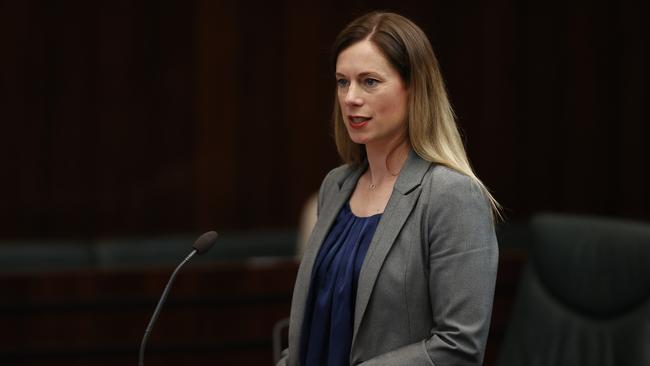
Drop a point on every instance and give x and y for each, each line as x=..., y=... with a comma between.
x=159, y=306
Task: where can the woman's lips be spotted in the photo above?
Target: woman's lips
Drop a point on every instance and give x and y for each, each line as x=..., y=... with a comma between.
x=358, y=122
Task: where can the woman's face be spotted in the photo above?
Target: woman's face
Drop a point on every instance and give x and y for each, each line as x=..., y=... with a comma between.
x=371, y=94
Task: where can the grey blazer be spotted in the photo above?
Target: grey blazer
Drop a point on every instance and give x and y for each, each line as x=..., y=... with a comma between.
x=427, y=282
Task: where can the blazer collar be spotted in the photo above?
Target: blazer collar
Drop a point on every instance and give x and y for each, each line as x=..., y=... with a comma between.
x=412, y=173
x=347, y=182
x=404, y=197
x=410, y=176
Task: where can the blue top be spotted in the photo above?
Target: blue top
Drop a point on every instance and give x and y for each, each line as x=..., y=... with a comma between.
x=329, y=312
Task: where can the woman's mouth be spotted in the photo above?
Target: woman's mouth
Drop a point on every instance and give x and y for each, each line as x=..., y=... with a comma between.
x=358, y=121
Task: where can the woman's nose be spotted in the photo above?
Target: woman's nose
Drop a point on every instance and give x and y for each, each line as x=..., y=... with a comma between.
x=353, y=96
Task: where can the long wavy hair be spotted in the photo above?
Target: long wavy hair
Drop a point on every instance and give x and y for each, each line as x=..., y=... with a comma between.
x=432, y=130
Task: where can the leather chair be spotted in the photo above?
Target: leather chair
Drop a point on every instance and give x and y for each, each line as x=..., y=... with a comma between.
x=584, y=297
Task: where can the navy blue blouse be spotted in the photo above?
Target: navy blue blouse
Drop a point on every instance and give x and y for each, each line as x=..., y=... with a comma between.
x=329, y=313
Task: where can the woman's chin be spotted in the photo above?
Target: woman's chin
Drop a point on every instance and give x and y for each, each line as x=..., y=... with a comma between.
x=358, y=138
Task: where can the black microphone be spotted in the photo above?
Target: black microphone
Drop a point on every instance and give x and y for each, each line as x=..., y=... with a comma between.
x=201, y=245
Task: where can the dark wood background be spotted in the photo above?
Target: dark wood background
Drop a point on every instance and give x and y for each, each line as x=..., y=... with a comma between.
x=156, y=117
x=137, y=117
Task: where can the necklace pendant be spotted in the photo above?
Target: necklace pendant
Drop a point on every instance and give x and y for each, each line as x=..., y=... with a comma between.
x=372, y=187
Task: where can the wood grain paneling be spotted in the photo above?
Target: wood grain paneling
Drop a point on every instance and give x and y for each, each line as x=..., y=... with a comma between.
x=164, y=116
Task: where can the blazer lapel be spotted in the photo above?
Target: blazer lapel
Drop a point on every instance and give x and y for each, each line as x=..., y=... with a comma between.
x=341, y=191
x=400, y=205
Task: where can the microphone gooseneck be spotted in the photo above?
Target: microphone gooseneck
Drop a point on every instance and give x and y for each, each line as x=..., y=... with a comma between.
x=202, y=245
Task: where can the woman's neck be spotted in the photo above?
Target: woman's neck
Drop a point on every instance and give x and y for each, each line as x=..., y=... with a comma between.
x=386, y=160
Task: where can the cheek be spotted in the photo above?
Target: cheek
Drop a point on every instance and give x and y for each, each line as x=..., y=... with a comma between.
x=395, y=108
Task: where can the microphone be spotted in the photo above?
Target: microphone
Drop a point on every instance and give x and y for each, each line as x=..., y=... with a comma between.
x=201, y=245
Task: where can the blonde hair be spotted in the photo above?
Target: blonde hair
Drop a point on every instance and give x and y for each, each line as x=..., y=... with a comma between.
x=432, y=129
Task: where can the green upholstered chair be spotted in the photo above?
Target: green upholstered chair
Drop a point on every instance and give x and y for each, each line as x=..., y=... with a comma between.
x=584, y=297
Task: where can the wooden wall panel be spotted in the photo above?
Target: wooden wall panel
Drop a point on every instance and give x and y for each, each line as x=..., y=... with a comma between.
x=217, y=105
x=98, y=117
x=167, y=116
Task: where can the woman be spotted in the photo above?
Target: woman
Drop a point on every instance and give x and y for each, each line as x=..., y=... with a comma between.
x=401, y=265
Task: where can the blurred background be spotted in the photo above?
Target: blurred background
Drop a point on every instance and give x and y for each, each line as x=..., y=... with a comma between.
x=131, y=127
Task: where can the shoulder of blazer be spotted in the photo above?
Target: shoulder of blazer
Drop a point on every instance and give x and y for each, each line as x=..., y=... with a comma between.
x=455, y=201
x=445, y=182
x=445, y=178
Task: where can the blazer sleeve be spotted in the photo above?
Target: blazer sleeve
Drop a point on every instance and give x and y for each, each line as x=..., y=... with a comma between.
x=462, y=257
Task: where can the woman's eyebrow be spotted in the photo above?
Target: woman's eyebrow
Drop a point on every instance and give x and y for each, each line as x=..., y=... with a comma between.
x=363, y=74
x=369, y=73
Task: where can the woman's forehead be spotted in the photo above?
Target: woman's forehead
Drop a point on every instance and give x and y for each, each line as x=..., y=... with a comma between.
x=362, y=57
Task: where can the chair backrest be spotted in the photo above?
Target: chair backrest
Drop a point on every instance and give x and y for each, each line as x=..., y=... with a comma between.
x=584, y=297
x=27, y=256
x=137, y=252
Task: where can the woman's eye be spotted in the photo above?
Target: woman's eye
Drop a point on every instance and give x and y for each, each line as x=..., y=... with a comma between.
x=342, y=83
x=371, y=82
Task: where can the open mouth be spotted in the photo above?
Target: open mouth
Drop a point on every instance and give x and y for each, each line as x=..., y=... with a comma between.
x=358, y=122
